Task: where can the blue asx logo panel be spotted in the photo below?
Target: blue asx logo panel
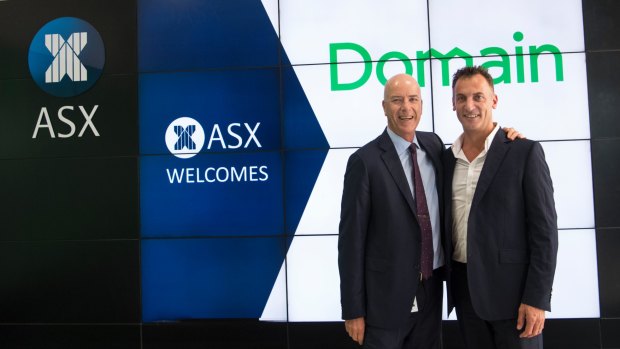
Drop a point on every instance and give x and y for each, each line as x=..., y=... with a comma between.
x=213, y=159
x=66, y=57
x=233, y=107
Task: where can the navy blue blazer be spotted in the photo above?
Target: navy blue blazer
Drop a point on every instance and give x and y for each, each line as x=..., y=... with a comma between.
x=379, y=236
x=512, y=234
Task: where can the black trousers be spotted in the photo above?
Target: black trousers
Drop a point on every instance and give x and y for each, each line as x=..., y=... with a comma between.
x=422, y=330
x=479, y=333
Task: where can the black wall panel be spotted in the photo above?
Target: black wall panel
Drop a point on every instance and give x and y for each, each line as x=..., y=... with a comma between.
x=607, y=242
x=69, y=198
x=602, y=39
x=603, y=91
x=225, y=333
x=605, y=172
x=610, y=333
x=69, y=282
x=572, y=333
x=601, y=26
x=70, y=336
x=308, y=335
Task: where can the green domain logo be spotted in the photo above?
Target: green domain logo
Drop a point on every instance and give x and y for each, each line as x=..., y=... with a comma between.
x=503, y=62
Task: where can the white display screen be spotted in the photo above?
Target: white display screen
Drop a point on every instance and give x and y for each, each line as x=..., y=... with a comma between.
x=535, y=52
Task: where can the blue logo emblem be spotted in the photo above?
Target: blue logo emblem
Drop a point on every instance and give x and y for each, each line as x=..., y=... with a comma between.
x=66, y=57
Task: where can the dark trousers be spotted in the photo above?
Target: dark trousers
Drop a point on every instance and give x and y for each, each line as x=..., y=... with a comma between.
x=422, y=330
x=479, y=333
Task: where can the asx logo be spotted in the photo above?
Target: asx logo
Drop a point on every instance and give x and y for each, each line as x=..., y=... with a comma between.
x=185, y=137
x=66, y=57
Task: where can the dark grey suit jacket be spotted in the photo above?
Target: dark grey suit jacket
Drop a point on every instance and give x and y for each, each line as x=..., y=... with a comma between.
x=379, y=236
x=512, y=234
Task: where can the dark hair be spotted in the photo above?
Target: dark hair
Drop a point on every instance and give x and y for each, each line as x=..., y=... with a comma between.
x=468, y=72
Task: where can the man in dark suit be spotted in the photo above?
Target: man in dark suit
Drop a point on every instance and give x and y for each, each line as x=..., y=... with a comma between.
x=501, y=235
x=387, y=301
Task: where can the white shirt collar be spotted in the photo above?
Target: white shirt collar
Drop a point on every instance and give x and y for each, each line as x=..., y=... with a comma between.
x=457, y=146
x=400, y=143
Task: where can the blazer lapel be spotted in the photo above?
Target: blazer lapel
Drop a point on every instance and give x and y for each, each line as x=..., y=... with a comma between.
x=495, y=156
x=395, y=168
x=449, y=162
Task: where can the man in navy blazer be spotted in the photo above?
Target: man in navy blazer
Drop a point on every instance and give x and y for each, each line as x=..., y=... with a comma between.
x=501, y=234
x=385, y=301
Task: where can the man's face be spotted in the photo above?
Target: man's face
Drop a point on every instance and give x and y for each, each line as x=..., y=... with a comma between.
x=402, y=104
x=474, y=101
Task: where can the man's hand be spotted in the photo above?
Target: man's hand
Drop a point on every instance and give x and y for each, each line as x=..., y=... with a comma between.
x=355, y=329
x=533, y=318
x=512, y=134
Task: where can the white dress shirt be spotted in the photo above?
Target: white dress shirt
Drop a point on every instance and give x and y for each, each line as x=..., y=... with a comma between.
x=464, y=183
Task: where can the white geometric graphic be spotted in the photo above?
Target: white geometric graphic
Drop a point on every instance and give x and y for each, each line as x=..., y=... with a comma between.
x=66, y=60
x=185, y=137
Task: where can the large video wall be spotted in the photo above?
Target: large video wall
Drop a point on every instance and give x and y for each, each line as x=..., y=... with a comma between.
x=173, y=169
x=257, y=137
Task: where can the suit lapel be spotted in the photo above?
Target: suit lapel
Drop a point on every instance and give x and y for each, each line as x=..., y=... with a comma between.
x=449, y=162
x=495, y=156
x=395, y=168
x=449, y=168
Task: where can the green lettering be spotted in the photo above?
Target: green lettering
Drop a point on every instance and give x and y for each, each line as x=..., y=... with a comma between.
x=421, y=57
x=497, y=58
x=536, y=51
x=445, y=61
x=336, y=85
x=504, y=63
x=518, y=36
x=392, y=55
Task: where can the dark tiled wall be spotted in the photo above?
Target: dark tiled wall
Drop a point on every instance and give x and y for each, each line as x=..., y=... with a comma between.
x=602, y=38
x=69, y=248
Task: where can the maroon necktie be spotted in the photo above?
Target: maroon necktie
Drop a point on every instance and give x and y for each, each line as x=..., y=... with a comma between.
x=424, y=219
